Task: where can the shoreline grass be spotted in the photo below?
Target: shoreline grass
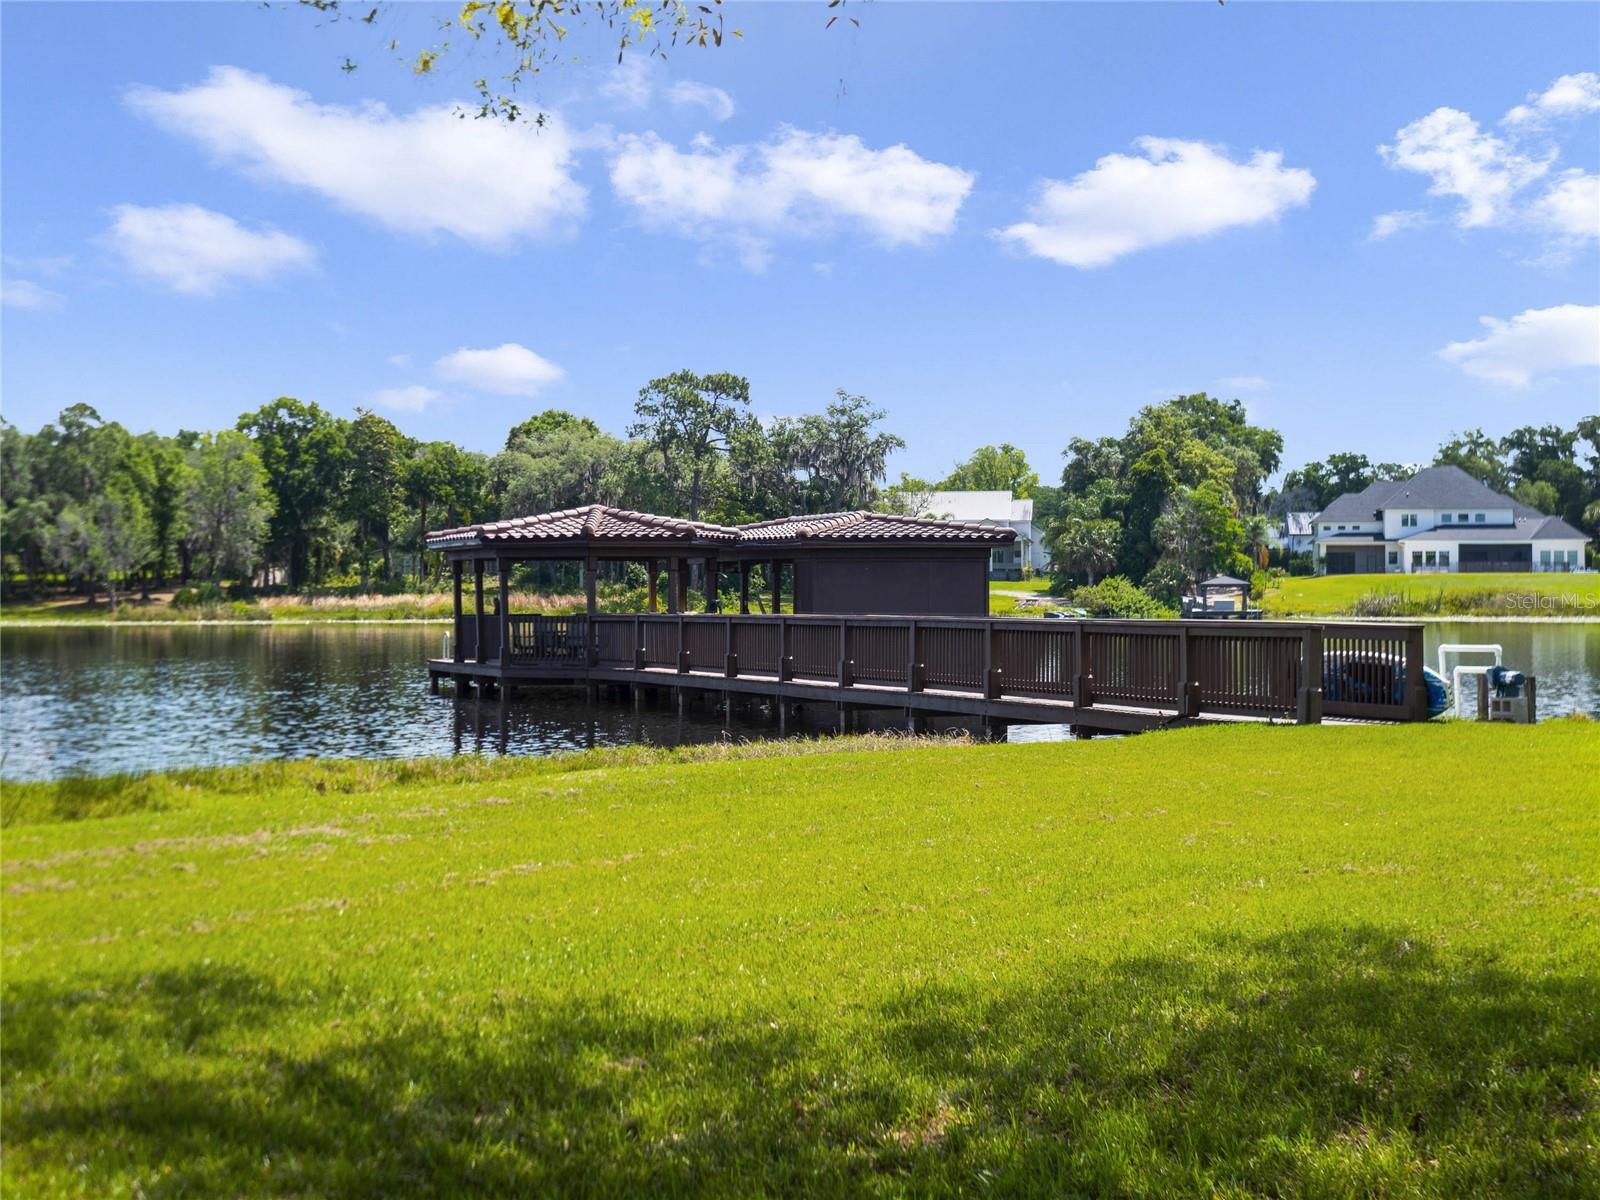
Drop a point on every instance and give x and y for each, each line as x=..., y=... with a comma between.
x=1187, y=964
x=1542, y=596
x=404, y=606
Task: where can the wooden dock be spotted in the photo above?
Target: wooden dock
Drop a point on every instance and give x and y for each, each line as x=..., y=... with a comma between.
x=1112, y=676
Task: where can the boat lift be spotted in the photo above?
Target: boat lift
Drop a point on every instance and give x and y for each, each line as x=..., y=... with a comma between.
x=1462, y=670
x=1499, y=694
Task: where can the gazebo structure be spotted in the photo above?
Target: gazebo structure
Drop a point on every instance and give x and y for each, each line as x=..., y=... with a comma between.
x=1222, y=596
x=849, y=562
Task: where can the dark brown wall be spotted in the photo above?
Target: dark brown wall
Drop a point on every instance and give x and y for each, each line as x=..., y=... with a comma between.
x=905, y=582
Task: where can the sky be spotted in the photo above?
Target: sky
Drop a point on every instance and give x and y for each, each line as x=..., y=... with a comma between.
x=1373, y=224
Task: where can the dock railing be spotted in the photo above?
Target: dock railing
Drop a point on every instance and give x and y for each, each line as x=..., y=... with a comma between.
x=1295, y=671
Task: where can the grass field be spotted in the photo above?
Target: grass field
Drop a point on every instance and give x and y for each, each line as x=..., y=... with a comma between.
x=1533, y=595
x=1193, y=963
x=1038, y=585
x=1004, y=594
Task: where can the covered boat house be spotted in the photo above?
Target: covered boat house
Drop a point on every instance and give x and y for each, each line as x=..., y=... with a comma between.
x=847, y=562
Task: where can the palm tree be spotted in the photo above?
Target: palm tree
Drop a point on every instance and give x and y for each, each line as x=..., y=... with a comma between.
x=1257, y=538
x=1088, y=543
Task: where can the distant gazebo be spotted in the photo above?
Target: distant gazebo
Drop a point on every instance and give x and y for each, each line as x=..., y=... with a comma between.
x=1223, y=595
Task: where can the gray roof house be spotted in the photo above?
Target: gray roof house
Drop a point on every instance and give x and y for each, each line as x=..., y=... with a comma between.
x=1440, y=520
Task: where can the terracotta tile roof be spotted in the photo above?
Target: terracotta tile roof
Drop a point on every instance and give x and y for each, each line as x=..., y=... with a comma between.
x=593, y=522
x=601, y=523
x=871, y=527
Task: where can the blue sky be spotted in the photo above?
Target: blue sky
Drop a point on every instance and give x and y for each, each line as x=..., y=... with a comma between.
x=1375, y=224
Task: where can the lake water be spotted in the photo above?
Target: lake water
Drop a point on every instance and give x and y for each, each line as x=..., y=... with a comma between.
x=103, y=699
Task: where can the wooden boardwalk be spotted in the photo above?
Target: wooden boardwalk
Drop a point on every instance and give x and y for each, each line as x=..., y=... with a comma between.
x=1113, y=676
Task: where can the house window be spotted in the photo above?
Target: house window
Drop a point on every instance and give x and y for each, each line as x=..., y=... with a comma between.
x=1416, y=558
x=1544, y=558
x=1445, y=518
x=1341, y=529
x=1478, y=518
x=1430, y=559
x=1444, y=558
x=1394, y=558
x=1461, y=516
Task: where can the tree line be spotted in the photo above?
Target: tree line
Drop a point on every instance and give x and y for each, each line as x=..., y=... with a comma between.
x=296, y=497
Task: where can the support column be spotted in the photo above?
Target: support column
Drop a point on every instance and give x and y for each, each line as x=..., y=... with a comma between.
x=744, y=587
x=652, y=566
x=777, y=587
x=503, y=570
x=674, y=585
x=713, y=571
x=479, y=624
x=455, y=628
x=591, y=635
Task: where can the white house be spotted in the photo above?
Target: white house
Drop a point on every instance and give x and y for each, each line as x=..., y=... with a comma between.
x=995, y=508
x=1294, y=534
x=1441, y=519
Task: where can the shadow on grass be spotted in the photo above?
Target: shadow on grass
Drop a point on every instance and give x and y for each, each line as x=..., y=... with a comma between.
x=1330, y=1060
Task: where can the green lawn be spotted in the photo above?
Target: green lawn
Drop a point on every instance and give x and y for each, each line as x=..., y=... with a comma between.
x=1533, y=595
x=1038, y=584
x=1004, y=594
x=1191, y=963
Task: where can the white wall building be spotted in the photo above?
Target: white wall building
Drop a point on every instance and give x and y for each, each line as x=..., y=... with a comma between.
x=1440, y=520
x=995, y=508
x=1296, y=533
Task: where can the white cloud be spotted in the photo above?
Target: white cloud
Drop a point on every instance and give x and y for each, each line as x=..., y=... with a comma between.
x=1571, y=95
x=403, y=361
x=1570, y=207
x=196, y=251
x=1493, y=176
x=412, y=398
x=1386, y=225
x=794, y=184
x=629, y=83
x=1531, y=344
x=509, y=369
x=1481, y=170
x=1243, y=383
x=24, y=293
x=48, y=266
x=1174, y=190
x=687, y=93
x=429, y=172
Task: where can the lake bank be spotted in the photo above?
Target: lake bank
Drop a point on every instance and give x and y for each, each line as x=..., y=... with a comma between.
x=162, y=610
x=1099, y=967
x=1536, y=596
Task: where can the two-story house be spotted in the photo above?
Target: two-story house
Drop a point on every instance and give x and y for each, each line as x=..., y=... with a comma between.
x=1441, y=519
